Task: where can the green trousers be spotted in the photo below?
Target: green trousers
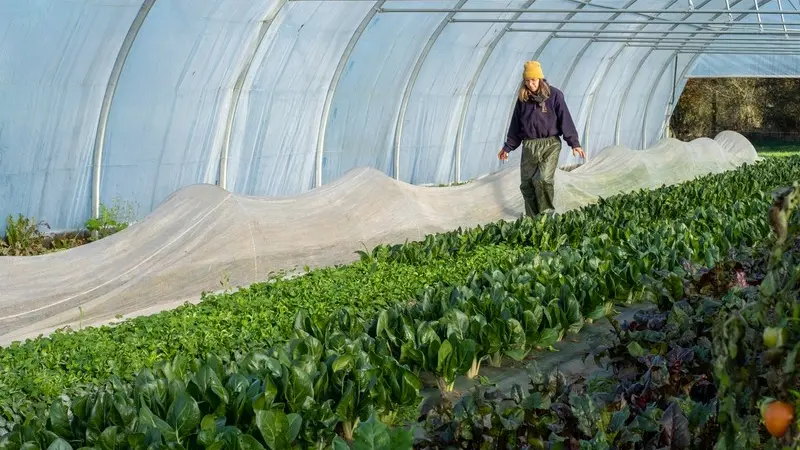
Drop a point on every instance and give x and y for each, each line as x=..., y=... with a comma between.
x=537, y=170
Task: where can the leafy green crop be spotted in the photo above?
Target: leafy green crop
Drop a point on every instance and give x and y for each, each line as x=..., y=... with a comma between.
x=513, y=300
x=531, y=302
x=612, y=217
x=305, y=391
x=40, y=369
x=693, y=372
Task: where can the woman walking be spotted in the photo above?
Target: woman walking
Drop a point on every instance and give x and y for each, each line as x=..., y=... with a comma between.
x=540, y=117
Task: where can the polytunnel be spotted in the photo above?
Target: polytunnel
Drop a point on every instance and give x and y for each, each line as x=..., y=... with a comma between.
x=140, y=100
x=133, y=99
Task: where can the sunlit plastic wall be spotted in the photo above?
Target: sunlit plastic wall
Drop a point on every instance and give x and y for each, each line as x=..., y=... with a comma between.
x=754, y=66
x=55, y=61
x=272, y=97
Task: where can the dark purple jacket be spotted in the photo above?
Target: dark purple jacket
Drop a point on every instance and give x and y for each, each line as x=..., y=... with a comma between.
x=529, y=122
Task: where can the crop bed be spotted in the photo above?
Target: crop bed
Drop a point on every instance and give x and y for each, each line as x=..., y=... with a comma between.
x=304, y=360
x=713, y=364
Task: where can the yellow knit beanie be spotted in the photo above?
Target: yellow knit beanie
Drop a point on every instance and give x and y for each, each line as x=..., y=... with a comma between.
x=533, y=70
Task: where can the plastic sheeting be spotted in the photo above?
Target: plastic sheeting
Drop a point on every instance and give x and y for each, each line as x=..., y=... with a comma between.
x=428, y=141
x=371, y=89
x=173, y=105
x=167, y=118
x=275, y=134
x=55, y=60
x=203, y=234
x=755, y=66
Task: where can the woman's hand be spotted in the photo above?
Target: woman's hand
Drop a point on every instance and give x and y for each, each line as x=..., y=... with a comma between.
x=503, y=155
x=578, y=151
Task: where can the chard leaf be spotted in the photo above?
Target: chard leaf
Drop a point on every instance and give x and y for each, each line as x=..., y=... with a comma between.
x=183, y=415
x=372, y=435
x=58, y=444
x=247, y=442
x=274, y=427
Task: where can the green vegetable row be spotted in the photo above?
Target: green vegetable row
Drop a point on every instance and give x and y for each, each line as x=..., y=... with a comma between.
x=530, y=302
x=40, y=369
x=43, y=368
x=672, y=380
x=34, y=372
x=515, y=306
x=607, y=217
x=305, y=391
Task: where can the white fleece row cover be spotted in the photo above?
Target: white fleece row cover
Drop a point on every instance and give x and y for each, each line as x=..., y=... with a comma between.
x=202, y=234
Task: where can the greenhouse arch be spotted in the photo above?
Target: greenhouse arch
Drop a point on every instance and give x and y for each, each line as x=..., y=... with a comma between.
x=289, y=224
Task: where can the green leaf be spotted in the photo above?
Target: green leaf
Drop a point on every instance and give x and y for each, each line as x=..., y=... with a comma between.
x=184, y=415
x=267, y=398
x=237, y=383
x=654, y=337
x=548, y=337
x=108, y=439
x=768, y=285
x=426, y=335
x=636, y=350
x=679, y=318
x=584, y=410
x=384, y=328
x=347, y=404
x=97, y=416
x=260, y=362
x=536, y=401
x=701, y=414
x=215, y=363
x=342, y=362
x=59, y=422
x=619, y=419
x=208, y=430
x=207, y=382
x=516, y=342
x=247, y=442
x=599, y=442
x=300, y=387
x=410, y=354
x=151, y=425
x=401, y=439
x=175, y=370
x=445, y=354
x=604, y=310
x=59, y=444
x=372, y=435
x=273, y=426
x=790, y=363
x=137, y=441
x=124, y=411
x=293, y=430
x=340, y=444
x=512, y=418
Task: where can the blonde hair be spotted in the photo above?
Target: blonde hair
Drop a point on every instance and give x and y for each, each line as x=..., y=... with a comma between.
x=525, y=93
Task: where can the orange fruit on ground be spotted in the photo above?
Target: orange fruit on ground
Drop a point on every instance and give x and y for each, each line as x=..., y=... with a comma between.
x=778, y=416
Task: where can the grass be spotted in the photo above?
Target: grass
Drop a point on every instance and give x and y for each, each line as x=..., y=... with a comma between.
x=776, y=148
